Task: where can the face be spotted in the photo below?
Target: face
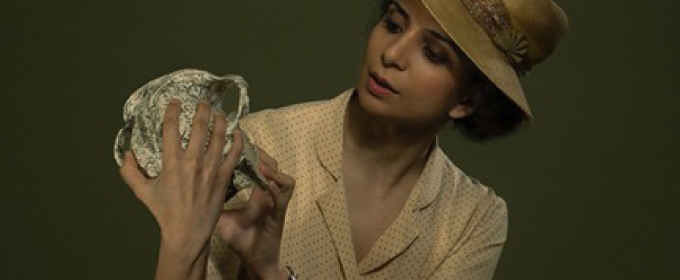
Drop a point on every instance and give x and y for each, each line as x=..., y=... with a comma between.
x=413, y=71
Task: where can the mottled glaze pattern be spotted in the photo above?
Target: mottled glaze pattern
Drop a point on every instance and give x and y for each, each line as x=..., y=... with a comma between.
x=144, y=111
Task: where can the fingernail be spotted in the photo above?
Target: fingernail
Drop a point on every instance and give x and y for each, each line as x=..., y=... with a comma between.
x=174, y=101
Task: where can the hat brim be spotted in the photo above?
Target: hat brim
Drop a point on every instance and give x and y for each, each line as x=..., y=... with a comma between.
x=455, y=19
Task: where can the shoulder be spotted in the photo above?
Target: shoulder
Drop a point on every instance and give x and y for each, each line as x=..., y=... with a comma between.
x=288, y=132
x=470, y=229
x=301, y=114
x=474, y=191
x=466, y=221
x=468, y=202
x=456, y=186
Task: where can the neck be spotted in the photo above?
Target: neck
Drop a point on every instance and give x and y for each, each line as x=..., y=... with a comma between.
x=387, y=147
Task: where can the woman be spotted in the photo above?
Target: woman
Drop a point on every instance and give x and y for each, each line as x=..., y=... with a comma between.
x=374, y=195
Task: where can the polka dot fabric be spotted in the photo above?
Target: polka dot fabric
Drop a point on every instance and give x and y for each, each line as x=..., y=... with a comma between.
x=451, y=227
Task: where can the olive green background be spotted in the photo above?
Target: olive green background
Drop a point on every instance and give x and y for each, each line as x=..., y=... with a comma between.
x=592, y=185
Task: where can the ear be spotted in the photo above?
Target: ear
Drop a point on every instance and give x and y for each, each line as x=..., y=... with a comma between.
x=467, y=105
x=470, y=99
x=461, y=110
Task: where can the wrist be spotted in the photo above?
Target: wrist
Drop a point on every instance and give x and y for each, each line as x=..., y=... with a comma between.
x=183, y=249
x=276, y=273
x=178, y=263
x=281, y=274
x=291, y=274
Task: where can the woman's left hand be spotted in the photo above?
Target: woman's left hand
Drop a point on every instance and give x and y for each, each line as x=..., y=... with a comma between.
x=254, y=232
x=186, y=198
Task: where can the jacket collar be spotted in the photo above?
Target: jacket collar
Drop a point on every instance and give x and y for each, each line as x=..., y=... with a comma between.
x=406, y=227
x=329, y=136
x=329, y=152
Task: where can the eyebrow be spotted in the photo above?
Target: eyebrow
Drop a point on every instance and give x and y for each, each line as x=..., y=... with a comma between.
x=435, y=34
x=446, y=40
x=401, y=10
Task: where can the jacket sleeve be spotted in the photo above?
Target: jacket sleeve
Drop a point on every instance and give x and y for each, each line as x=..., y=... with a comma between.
x=476, y=257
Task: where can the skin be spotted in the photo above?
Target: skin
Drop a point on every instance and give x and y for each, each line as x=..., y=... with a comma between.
x=186, y=200
x=388, y=137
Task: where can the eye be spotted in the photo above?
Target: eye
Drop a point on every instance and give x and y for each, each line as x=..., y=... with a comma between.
x=435, y=57
x=391, y=25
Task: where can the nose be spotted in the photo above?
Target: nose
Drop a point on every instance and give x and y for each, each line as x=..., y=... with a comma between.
x=396, y=52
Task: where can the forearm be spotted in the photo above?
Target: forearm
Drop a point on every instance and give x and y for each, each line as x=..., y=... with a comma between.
x=174, y=263
x=277, y=273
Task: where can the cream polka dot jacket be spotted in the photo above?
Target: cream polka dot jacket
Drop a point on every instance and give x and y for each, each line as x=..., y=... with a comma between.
x=452, y=227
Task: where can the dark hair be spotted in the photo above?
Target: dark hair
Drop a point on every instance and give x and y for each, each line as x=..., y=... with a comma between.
x=495, y=114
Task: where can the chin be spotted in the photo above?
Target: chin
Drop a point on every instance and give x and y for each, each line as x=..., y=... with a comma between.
x=373, y=106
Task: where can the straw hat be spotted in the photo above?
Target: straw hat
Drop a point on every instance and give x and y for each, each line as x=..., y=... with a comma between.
x=504, y=38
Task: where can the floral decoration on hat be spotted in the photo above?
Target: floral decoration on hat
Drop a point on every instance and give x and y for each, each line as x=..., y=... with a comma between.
x=514, y=45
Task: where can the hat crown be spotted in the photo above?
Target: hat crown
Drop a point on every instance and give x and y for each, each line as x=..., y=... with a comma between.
x=503, y=38
x=541, y=23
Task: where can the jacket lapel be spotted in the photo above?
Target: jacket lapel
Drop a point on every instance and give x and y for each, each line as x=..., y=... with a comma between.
x=333, y=207
x=393, y=242
x=332, y=202
x=402, y=233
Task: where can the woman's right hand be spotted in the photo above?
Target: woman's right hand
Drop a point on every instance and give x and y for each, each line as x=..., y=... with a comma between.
x=187, y=197
x=255, y=232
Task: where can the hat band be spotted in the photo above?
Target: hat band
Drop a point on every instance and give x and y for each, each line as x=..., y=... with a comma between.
x=494, y=18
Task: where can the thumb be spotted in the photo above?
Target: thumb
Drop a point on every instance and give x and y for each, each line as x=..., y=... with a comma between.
x=231, y=224
x=131, y=174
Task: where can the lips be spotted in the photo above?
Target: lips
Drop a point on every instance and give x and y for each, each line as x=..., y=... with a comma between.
x=380, y=84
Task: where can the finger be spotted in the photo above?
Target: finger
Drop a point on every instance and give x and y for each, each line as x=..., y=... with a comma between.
x=259, y=204
x=232, y=159
x=267, y=160
x=279, y=201
x=285, y=182
x=217, y=141
x=280, y=188
x=213, y=159
x=199, y=131
x=171, y=137
x=131, y=174
x=275, y=191
x=230, y=224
